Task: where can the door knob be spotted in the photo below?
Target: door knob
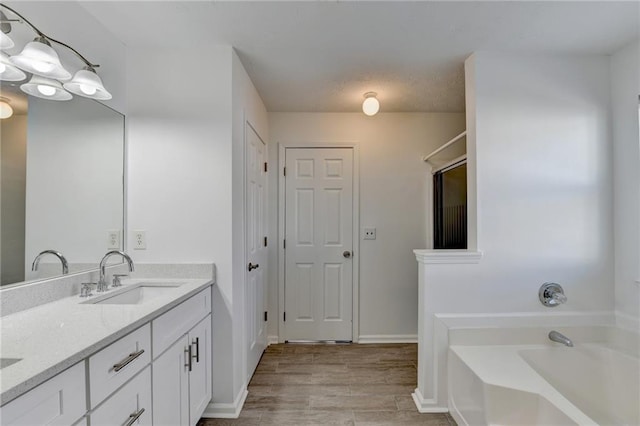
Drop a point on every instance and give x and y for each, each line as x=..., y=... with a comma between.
x=347, y=254
x=252, y=267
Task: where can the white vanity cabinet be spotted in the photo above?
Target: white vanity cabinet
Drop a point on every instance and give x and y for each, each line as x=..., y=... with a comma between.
x=182, y=372
x=59, y=401
x=130, y=405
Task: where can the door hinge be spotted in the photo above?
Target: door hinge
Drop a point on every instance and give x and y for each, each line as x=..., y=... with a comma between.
x=265, y=241
x=284, y=244
x=284, y=316
x=265, y=166
x=284, y=171
x=265, y=315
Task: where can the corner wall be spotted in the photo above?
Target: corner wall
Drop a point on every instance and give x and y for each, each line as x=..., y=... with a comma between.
x=394, y=183
x=625, y=89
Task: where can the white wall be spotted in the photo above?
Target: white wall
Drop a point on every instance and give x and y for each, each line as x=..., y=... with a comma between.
x=542, y=153
x=625, y=88
x=186, y=182
x=393, y=198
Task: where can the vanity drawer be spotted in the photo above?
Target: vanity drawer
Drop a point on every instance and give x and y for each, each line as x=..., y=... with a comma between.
x=171, y=325
x=130, y=405
x=114, y=365
x=58, y=401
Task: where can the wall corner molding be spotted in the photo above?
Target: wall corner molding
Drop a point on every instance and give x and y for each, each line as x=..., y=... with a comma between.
x=428, y=256
x=226, y=410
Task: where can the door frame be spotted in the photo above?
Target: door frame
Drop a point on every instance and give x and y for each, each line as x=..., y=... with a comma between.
x=282, y=149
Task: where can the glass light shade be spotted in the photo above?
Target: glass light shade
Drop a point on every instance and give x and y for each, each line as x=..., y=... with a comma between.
x=5, y=110
x=40, y=59
x=370, y=106
x=8, y=72
x=45, y=88
x=88, y=84
x=5, y=41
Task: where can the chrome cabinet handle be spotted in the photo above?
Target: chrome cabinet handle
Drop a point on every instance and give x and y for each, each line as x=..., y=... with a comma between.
x=197, y=355
x=252, y=267
x=132, y=356
x=188, y=357
x=134, y=417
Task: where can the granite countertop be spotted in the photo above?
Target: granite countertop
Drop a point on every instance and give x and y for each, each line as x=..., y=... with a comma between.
x=52, y=337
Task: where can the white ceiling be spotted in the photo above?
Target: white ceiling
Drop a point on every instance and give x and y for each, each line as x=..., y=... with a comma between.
x=323, y=56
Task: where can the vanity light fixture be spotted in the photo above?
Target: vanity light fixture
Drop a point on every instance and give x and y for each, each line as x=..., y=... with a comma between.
x=41, y=60
x=5, y=109
x=45, y=88
x=8, y=71
x=370, y=106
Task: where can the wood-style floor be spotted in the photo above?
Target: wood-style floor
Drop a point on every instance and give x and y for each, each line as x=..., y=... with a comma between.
x=297, y=384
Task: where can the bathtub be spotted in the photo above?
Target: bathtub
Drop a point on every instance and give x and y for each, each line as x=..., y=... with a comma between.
x=593, y=383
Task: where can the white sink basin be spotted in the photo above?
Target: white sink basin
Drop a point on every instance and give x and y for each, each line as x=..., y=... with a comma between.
x=135, y=294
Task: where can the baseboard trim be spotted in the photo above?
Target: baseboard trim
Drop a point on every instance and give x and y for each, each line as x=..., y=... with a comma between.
x=272, y=340
x=427, y=405
x=388, y=338
x=627, y=322
x=226, y=410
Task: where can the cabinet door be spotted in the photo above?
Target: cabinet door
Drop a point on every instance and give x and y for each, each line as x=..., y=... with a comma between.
x=130, y=405
x=200, y=375
x=171, y=385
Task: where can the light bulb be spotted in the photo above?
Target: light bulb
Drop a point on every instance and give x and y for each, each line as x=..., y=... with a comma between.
x=370, y=106
x=5, y=110
x=42, y=66
x=88, y=90
x=3, y=68
x=46, y=90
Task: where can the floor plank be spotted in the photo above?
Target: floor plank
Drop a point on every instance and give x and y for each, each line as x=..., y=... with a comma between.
x=308, y=384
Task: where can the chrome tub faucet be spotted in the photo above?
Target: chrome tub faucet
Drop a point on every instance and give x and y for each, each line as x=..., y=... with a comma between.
x=556, y=336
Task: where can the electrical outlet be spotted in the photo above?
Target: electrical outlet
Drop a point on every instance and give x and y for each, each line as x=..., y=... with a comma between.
x=369, y=234
x=113, y=239
x=139, y=240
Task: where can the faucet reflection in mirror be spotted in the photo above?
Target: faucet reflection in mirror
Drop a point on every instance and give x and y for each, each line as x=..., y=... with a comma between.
x=49, y=78
x=63, y=260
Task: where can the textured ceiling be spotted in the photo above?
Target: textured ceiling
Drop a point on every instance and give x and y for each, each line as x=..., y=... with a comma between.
x=323, y=56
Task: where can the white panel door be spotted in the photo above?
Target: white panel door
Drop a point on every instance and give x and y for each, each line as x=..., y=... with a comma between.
x=318, y=243
x=256, y=251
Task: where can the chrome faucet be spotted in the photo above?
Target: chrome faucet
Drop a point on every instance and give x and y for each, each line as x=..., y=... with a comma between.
x=551, y=295
x=102, y=282
x=63, y=260
x=556, y=336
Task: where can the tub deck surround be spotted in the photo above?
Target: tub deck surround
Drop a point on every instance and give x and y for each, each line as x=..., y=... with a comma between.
x=510, y=371
x=54, y=336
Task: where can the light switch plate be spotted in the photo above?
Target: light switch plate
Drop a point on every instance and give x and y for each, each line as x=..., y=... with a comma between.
x=369, y=234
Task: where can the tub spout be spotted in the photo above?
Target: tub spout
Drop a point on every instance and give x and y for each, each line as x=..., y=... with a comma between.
x=560, y=338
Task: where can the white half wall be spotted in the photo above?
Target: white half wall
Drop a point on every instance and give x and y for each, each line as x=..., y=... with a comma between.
x=625, y=88
x=543, y=175
x=394, y=183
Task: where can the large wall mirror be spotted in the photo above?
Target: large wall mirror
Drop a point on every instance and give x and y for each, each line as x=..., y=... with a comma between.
x=61, y=183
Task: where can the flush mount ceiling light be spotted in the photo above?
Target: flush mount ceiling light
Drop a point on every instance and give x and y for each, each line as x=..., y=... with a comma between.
x=9, y=72
x=5, y=109
x=41, y=60
x=45, y=88
x=370, y=106
x=87, y=83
